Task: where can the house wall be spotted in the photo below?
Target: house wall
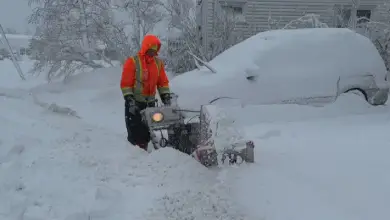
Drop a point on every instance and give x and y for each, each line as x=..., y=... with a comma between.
x=258, y=12
x=283, y=11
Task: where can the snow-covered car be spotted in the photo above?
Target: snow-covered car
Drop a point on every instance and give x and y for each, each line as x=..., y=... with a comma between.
x=289, y=66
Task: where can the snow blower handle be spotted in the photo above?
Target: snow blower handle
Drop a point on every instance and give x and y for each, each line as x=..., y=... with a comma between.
x=170, y=99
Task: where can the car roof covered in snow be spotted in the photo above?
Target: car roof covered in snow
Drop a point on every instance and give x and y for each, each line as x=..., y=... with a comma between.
x=318, y=51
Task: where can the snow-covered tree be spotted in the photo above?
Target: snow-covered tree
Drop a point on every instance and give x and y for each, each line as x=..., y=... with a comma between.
x=183, y=35
x=225, y=33
x=143, y=16
x=185, y=44
x=68, y=32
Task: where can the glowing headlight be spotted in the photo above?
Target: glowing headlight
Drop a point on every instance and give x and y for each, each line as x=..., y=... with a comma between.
x=157, y=117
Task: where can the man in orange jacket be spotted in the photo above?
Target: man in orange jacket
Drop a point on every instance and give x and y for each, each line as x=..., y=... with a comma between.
x=142, y=75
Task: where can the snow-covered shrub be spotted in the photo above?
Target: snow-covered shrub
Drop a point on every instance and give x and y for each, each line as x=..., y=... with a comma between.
x=142, y=18
x=225, y=33
x=306, y=21
x=183, y=35
x=187, y=37
x=378, y=30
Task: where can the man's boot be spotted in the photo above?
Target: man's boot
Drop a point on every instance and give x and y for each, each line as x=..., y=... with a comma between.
x=143, y=146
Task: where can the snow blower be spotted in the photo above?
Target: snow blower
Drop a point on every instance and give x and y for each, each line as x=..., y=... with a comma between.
x=169, y=127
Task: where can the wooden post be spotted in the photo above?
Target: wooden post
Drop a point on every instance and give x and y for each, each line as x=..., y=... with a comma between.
x=16, y=64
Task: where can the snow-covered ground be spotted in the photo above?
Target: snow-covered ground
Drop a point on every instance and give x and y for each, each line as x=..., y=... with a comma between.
x=59, y=166
x=311, y=162
x=319, y=168
x=9, y=77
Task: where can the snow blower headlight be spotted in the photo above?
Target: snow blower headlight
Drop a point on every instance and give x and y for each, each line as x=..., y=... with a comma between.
x=157, y=117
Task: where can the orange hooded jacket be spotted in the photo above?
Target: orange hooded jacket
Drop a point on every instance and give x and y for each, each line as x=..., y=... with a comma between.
x=143, y=73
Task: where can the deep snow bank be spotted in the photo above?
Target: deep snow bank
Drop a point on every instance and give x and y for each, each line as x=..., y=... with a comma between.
x=9, y=76
x=230, y=124
x=325, y=168
x=54, y=167
x=95, y=96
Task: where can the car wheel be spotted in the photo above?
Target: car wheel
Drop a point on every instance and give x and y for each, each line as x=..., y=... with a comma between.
x=374, y=97
x=359, y=92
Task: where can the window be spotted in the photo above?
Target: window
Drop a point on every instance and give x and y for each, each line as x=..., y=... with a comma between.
x=363, y=16
x=233, y=11
x=343, y=16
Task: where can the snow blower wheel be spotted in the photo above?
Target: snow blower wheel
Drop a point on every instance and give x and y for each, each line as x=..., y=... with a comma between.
x=234, y=157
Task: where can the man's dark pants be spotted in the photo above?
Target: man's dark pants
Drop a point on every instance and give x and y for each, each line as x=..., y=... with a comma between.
x=137, y=131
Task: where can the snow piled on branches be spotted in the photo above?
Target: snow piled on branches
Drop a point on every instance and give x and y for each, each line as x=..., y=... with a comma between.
x=66, y=32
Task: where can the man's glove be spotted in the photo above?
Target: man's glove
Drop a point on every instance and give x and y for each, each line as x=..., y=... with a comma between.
x=130, y=104
x=166, y=99
x=129, y=100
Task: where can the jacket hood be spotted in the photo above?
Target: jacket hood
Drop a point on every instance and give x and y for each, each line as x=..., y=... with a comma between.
x=148, y=42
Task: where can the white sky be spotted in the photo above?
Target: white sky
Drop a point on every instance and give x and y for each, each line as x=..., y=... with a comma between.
x=14, y=13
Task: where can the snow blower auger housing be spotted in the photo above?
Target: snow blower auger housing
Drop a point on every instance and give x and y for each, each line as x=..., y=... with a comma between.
x=169, y=126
